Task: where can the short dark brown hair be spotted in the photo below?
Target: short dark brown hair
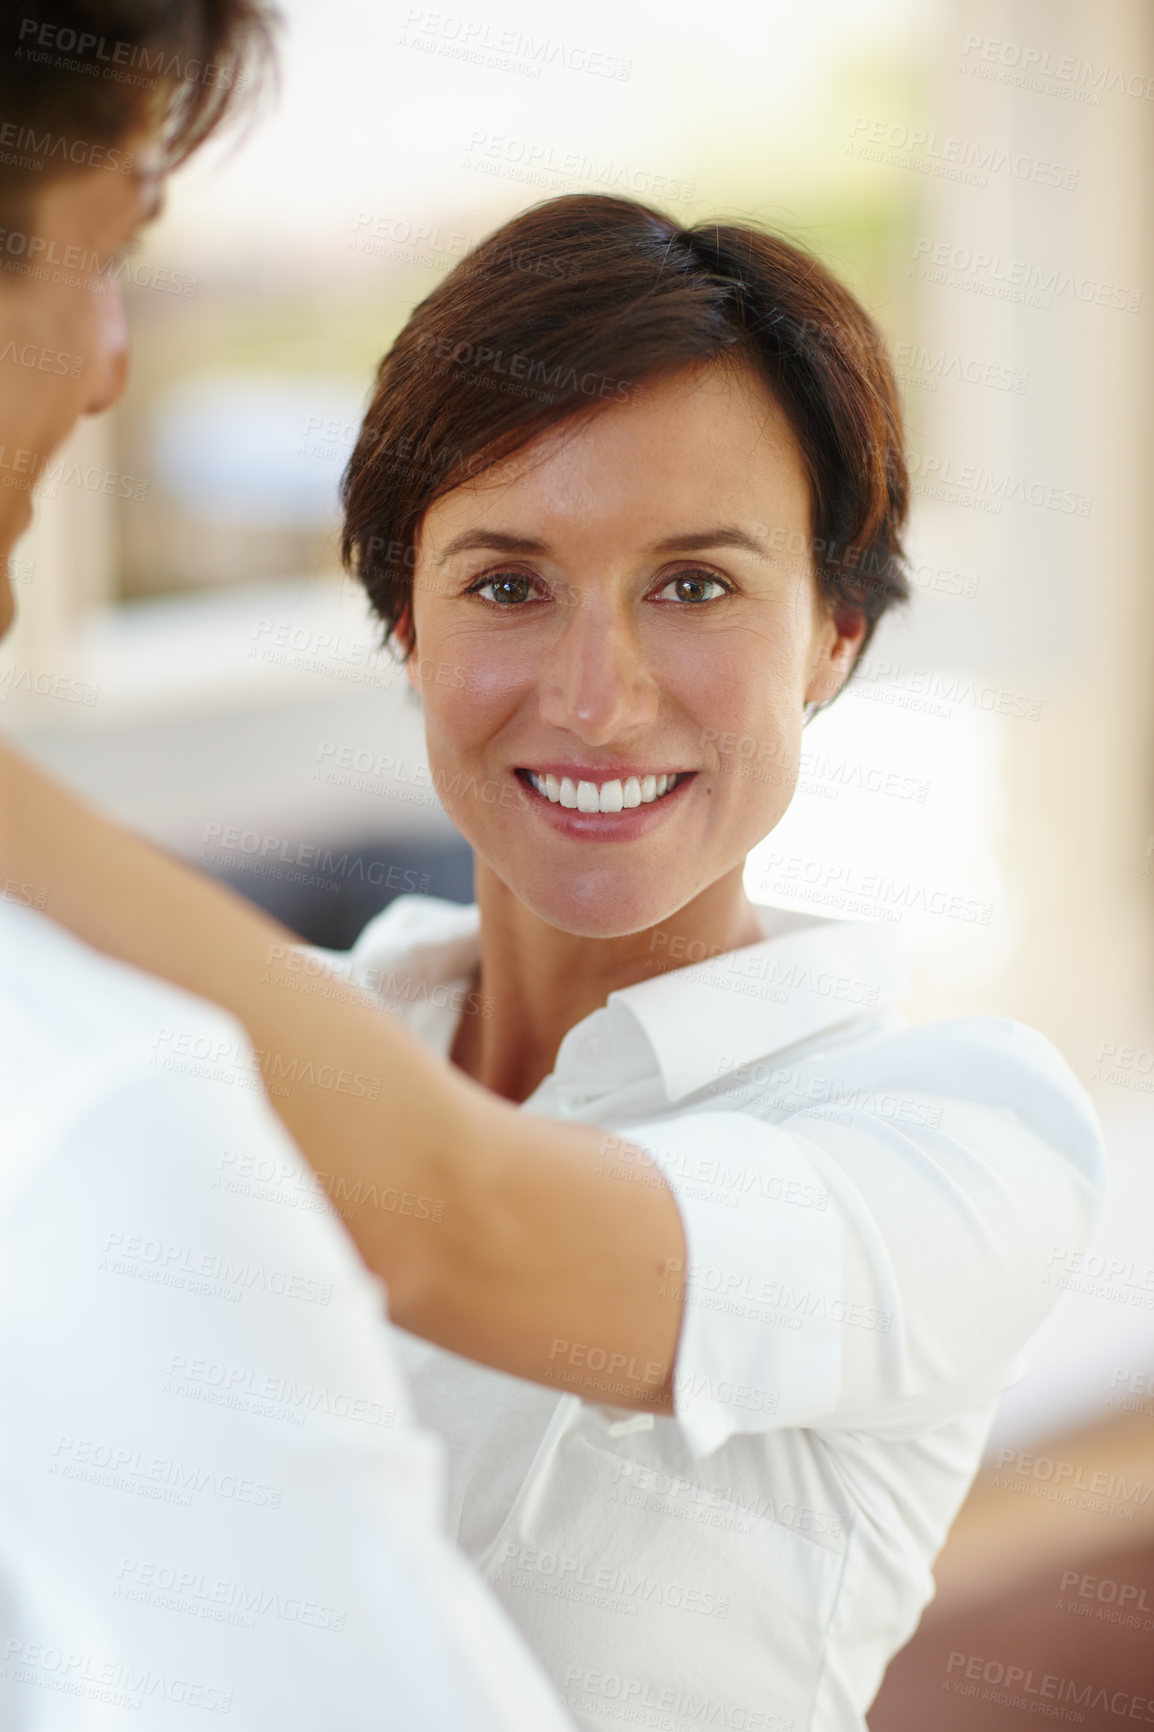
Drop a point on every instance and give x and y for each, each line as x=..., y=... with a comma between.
x=573, y=303
x=85, y=73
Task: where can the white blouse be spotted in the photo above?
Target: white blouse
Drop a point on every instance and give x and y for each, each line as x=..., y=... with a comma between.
x=870, y=1210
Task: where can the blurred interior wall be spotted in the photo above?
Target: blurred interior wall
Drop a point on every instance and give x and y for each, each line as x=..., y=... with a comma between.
x=1070, y=614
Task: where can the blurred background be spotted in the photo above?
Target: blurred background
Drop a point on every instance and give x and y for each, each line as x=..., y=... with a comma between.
x=981, y=174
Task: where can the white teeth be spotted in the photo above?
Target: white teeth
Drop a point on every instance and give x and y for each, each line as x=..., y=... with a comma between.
x=609, y=797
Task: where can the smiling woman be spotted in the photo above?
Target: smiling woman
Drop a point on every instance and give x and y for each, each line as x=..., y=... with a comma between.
x=718, y=1267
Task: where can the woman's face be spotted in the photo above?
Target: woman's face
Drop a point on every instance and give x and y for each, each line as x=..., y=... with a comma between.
x=625, y=600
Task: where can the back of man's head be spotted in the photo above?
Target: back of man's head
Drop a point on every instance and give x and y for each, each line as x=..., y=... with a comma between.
x=79, y=76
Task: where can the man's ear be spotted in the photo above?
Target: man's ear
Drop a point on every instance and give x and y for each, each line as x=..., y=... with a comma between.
x=404, y=636
x=839, y=641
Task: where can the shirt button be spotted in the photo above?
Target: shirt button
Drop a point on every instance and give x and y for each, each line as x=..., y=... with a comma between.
x=596, y=1047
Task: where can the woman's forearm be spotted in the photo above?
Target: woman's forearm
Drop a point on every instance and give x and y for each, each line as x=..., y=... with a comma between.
x=499, y=1234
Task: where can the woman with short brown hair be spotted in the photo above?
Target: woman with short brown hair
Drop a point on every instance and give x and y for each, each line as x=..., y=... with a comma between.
x=742, y=1259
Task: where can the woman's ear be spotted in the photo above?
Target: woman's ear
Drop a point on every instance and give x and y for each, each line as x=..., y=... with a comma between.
x=836, y=650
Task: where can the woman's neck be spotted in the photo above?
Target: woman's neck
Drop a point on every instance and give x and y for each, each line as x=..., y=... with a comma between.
x=537, y=982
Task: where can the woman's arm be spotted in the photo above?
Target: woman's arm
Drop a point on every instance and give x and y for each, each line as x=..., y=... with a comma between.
x=538, y=1245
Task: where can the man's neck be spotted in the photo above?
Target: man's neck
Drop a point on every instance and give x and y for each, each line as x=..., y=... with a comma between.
x=537, y=982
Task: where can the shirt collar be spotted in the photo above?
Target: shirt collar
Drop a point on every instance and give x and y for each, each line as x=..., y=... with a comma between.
x=692, y=1025
x=713, y=1017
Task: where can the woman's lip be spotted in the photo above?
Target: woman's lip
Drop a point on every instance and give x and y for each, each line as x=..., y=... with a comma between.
x=620, y=774
x=607, y=826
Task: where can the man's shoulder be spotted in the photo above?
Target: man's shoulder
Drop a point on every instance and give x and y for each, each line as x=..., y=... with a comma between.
x=78, y=1030
x=58, y=992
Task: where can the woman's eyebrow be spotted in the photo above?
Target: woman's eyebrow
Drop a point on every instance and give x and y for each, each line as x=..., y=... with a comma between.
x=492, y=541
x=692, y=541
x=699, y=540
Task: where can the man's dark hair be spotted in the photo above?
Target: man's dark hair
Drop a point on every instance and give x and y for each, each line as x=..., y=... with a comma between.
x=565, y=309
x=76, y=76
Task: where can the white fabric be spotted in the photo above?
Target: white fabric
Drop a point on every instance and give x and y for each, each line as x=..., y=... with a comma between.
x=869, y=1210
x=213, y=1494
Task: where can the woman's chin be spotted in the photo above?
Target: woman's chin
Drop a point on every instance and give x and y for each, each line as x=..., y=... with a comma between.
x=599, y=905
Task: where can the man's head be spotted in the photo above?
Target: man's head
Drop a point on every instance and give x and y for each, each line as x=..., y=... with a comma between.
x=99, y=100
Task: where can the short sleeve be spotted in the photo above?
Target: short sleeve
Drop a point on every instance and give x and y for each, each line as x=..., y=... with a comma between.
x=876, y=1259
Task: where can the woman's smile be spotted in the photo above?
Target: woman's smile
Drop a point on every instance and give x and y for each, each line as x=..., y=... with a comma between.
x=591, y=807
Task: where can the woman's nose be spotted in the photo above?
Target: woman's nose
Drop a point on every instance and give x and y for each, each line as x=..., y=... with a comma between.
x=109, y=360
x=596, y=682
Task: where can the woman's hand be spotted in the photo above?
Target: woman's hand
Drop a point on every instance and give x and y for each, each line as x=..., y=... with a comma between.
x=525, y=1233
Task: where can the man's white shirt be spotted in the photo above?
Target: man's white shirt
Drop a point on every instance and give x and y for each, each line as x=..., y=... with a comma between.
x=873, y=1213
x=214, y=1499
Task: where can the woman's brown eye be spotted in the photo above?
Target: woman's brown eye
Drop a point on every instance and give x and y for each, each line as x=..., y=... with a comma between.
x=503, y=586
x=695, y=582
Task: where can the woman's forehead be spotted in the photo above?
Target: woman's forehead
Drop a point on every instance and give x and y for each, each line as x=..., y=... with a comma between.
x=692, y=443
